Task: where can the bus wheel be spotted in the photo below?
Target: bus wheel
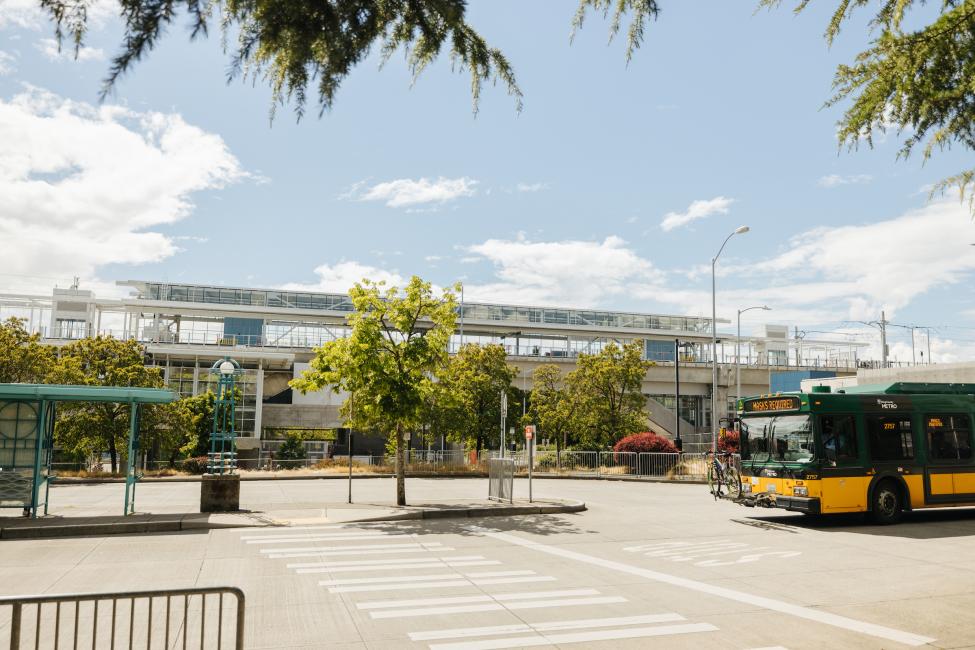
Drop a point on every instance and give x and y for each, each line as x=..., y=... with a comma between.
x=887, y=506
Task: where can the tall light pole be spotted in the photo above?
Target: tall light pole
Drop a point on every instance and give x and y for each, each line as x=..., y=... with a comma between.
x=740, y=230
x=738, y=349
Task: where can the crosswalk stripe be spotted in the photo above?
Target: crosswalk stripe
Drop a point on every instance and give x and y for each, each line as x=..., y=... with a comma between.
x=578, y=637
x=498, y=574
x=494, y=607
x=354, y=589
x=279, y=556
x=493, y=630
x=312, y=537
x=524, y=595
x=431, y=560
x=367, y=581
x=511, y=581
x=400, y=586
x=353, y=548
x=386, y=567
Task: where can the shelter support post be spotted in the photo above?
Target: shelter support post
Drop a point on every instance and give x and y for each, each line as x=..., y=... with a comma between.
x=131, y=465
x=35, y=489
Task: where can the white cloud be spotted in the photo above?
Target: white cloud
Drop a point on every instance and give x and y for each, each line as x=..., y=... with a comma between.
x=573, y=273
x=531, y=187
x=49, y=48
x=7, y=63
x=835, y=180
x=696, y=210
x=338, y=278
x=82, y=185
x=406, y=192
x=883, y=265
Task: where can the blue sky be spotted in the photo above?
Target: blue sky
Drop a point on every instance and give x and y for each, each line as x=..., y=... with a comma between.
x=717, y=122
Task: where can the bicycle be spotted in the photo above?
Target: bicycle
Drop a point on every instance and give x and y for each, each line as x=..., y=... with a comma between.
x=722, y=475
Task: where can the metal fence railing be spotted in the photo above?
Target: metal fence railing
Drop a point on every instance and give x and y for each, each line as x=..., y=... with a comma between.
x=501, y=479
x=211, y=617
x=607, y=464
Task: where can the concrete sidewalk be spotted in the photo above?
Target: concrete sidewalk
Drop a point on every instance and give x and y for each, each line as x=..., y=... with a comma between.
x=94, y=509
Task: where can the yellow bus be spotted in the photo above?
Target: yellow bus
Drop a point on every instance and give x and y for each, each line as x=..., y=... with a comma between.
x=880, y=449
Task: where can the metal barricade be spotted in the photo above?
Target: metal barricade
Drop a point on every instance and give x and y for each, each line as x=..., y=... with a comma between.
x=501, y=479
x=128, y=619
x=580, y=462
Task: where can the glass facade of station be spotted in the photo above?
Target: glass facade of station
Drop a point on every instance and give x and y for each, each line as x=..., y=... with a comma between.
x=471, y=311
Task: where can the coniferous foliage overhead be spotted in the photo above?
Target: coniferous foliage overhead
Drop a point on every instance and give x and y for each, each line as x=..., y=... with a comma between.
x=299, y=47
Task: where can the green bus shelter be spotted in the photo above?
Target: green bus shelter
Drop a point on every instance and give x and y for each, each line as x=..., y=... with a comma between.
x=27, y=416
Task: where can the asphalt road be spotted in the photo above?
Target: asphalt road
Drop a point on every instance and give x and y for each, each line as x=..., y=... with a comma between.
x=657, y=564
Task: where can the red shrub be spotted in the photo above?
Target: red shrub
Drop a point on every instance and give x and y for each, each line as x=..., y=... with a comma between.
x=645, y=442
x=729, y=441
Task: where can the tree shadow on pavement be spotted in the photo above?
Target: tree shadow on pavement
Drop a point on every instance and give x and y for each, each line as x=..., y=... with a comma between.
x=557, y=524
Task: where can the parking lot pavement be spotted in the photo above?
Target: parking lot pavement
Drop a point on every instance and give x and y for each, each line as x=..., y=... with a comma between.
x=661, y=564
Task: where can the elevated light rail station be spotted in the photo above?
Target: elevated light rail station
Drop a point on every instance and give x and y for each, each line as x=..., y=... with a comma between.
x=272, y=334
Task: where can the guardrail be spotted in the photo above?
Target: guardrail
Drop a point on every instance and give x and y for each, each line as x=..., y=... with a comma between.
x=128, y=619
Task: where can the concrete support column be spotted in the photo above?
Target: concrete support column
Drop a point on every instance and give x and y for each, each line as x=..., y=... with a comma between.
x=259, y=400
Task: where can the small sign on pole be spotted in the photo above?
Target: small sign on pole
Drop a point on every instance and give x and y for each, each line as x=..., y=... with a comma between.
x=529, y=432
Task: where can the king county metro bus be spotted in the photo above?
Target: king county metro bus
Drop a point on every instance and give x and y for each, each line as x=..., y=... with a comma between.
x=881, y=449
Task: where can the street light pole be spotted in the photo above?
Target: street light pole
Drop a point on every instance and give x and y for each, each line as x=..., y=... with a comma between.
x=738, y=349
x=740, y=230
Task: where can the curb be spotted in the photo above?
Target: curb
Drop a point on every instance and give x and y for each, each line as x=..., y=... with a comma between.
x=198, y=523
x=482, y=511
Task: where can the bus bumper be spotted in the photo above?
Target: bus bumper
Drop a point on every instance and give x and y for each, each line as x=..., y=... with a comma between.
x=809, y=505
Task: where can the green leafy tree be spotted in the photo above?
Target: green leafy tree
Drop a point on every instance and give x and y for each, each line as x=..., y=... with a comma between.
x=92, y=428
x=607, y=386
x=397, y=340
x=200, y=408
x=476, y=377
x=554, y=406
x=293, y=447
x=293, y=45
x=916, y=77
x=23, y=358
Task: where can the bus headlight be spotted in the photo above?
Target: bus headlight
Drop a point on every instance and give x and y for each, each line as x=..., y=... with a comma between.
x=746, y=488
x=800, y=491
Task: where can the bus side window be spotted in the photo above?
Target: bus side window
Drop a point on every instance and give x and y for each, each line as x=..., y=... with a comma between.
x=839, y=437
x=891, y=437
x=949, y=437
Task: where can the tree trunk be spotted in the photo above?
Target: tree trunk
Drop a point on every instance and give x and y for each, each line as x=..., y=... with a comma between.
x=400, y=466
x=559, y=444
x=113, y=454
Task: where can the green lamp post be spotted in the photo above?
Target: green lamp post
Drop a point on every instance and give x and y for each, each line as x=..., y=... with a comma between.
x=220, y=487
x=223, y=438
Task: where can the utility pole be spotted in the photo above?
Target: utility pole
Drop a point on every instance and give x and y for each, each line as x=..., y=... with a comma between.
x=677, y=441
x=883, y=339
x=504, y=415
x=462, y=314
x=797, y=346
x=913, y=357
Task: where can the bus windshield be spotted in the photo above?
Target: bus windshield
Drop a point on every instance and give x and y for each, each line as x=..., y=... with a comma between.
x=786, y=438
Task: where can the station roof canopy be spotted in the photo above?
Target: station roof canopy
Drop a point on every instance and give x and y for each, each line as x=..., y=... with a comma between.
x=62, y=393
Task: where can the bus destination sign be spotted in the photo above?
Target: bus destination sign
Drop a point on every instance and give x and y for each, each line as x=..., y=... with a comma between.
x=787, y=403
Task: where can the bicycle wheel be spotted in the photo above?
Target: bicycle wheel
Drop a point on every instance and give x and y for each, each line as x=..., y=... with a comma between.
x=732, y=480
x=714, y=481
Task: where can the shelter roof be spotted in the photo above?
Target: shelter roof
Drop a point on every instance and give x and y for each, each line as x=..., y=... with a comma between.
x=62, y=393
